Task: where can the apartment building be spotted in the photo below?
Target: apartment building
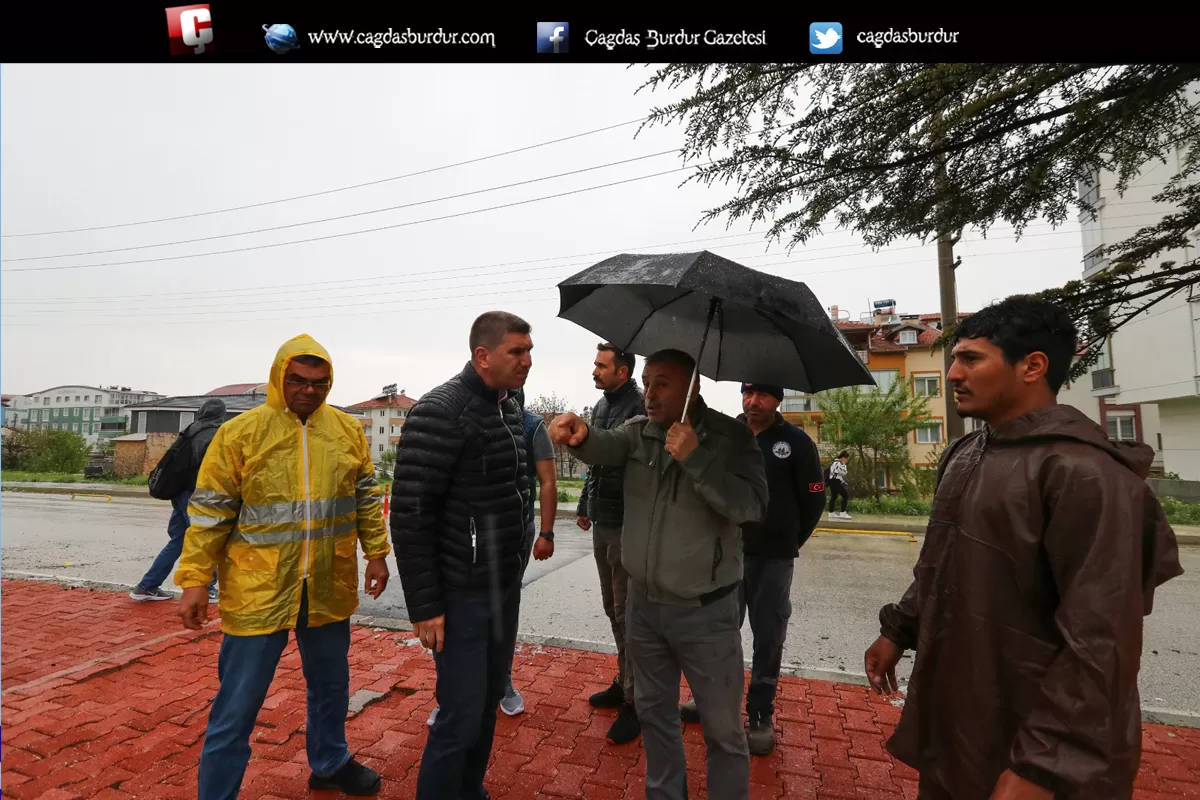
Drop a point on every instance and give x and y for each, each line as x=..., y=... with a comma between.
x=93, y=412
x=383, y=418
x=1146, y=385
x=894, y=347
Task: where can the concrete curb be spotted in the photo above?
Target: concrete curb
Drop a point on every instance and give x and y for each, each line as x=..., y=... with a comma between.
x=83, y=488
x=918, y=531
x=1157, y=716
x=136, y=492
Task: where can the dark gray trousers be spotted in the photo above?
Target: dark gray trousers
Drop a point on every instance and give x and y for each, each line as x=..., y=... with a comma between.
x=705, y=643
x=766, y=592
x=614, y=589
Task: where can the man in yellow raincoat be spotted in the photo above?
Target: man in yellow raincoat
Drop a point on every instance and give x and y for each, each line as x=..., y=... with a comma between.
x=285, y=495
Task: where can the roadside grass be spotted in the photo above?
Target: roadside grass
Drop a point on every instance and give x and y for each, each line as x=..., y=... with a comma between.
x=68, y=477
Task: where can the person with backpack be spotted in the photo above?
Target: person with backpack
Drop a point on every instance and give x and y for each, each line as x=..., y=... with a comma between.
x=175, y=479
x=835, y=477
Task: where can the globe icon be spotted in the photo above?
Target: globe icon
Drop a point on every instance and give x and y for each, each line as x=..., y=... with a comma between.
x=280, y=38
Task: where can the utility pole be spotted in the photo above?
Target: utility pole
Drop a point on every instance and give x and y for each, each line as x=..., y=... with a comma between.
x=955, y=427
x=948, y=289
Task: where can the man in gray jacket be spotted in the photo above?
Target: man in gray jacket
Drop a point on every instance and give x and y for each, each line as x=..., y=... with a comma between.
x=688, y=485
x=602, y=509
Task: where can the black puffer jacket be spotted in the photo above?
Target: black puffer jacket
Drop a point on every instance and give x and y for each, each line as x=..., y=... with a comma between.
x=459, y=495
x=603, y=497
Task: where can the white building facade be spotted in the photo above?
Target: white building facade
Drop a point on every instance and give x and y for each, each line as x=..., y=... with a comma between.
x=93, y=412
x=1146, y=385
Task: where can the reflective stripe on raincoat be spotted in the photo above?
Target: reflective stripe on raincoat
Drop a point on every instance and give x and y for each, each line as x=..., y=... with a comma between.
x=279, y=503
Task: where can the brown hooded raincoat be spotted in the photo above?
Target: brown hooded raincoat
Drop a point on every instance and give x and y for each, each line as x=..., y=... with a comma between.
x=1043, y=551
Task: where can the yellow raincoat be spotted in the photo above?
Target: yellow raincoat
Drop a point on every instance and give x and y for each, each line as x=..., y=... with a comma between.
x=278, y=503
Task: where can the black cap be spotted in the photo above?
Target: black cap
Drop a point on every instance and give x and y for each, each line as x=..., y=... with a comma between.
x=774, y=391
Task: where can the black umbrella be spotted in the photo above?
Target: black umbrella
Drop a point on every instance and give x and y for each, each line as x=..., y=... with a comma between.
x=767, y=329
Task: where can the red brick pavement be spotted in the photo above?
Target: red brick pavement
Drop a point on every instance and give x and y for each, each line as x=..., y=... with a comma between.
x=108, y=699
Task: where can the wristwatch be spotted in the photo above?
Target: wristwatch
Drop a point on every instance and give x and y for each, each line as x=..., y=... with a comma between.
x=547, y=535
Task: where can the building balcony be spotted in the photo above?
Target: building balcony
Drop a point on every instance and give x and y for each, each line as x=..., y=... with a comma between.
x=1104, y=383
x=112, y=419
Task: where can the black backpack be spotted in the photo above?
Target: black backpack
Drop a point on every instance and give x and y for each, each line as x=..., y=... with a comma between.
x=827, y=468
x=174, y=471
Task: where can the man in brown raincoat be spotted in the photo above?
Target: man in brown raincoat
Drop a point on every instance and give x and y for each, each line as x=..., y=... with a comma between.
x=1043, y=551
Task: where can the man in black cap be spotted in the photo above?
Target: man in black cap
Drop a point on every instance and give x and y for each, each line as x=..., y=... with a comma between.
x=795, y=502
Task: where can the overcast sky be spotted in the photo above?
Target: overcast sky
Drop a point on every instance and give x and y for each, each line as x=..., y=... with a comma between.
x=99, y=145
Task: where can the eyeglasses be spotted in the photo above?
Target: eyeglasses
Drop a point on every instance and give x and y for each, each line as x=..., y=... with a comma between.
x=299, y=383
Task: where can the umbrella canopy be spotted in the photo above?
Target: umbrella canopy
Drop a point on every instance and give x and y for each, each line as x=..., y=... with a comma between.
x=755, y=327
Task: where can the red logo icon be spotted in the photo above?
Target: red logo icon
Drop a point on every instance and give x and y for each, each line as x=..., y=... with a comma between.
x=816, y=488
x=190, y=30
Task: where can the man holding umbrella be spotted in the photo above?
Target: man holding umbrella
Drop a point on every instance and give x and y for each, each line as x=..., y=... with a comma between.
x=694, y=476
x=690, y=482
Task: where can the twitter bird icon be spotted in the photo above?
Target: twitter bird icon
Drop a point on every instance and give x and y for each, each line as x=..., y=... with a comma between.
x=825, y=38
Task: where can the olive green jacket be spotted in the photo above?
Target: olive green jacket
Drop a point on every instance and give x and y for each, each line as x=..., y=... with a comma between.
x=681, y=535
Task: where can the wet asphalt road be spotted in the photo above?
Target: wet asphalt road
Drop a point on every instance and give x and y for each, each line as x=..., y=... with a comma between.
x=839, y=585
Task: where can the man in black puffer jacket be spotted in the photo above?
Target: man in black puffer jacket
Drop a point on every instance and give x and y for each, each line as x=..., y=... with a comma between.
x=602, y=508
x=459, y=506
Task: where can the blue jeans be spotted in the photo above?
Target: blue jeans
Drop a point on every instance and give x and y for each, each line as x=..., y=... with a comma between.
x=472, y=670
x=176, y=528
x=245, y=669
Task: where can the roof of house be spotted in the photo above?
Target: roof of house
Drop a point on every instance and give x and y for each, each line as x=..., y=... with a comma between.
x=882, y=345
x=938, y=317
x=4, y=398
x=384, y=401
x=236, y=403
x=238, y=388
x=120, y=389
x=233, y=402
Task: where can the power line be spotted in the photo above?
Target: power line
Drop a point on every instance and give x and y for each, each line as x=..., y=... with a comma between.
x=390, y=275
x=331, y=191
x=353, y=215
x=391, y=278
x=258, y=303
x=360, y=232
x=5, y=319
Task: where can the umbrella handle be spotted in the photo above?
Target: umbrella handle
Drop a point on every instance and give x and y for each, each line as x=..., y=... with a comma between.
x=712, y=310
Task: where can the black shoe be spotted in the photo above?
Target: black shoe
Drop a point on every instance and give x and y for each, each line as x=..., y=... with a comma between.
x=761, y=736
x=612, y=697
x=626, y=728
x=353, y=779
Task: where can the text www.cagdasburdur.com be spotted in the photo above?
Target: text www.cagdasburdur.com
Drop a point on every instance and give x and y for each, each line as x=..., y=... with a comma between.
x=407, y=36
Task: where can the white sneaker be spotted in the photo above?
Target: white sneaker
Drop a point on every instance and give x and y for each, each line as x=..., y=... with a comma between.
x=512, y=704
x=432, y=716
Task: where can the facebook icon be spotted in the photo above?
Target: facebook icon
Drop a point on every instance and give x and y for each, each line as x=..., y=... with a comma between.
x=552, y=37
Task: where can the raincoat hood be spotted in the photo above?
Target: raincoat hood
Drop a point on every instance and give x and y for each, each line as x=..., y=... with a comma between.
x=211, y=411
x=302, y=345
x=1069, y=423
